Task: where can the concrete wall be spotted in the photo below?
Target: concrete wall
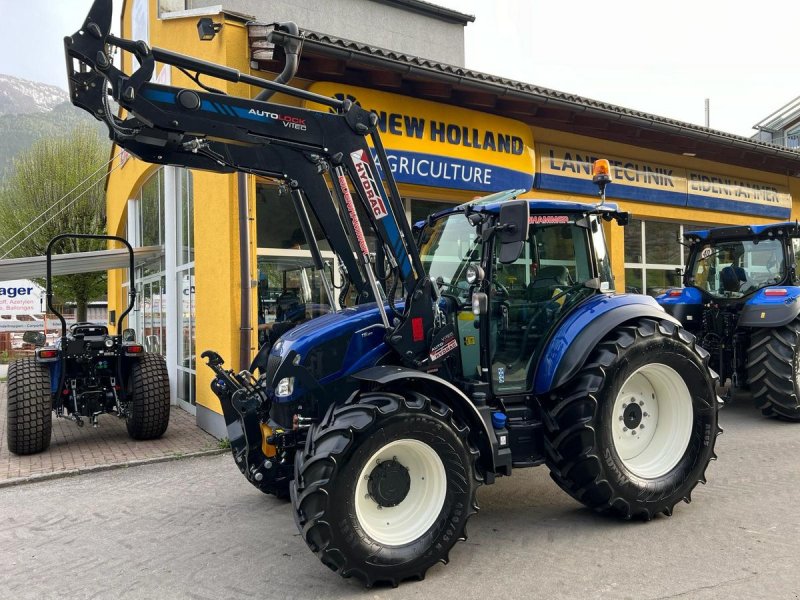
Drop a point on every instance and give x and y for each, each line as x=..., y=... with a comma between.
x=365, y=21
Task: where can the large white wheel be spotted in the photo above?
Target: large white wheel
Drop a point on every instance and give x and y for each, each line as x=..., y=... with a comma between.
x=653, y=420
x=400, y=492
x=633, y=432
x=385, y=485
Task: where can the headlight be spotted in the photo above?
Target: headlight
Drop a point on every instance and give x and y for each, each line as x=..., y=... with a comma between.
x=285, y=387
x=109, y=343
x=474, y=274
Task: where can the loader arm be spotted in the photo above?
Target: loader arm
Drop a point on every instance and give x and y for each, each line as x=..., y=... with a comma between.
x=323, y=157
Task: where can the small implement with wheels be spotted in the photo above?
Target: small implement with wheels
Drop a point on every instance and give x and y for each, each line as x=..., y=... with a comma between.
x=86, y=374
x=486, y=339
x=742, y=301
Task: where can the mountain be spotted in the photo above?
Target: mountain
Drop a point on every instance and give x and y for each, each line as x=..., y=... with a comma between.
x=30, y=111
x=21, y=97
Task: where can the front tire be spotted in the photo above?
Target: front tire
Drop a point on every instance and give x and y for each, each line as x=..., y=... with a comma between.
x=773, y=371
x=633, y=433
x=29, y=407
x=148, y=409
x=384, y=486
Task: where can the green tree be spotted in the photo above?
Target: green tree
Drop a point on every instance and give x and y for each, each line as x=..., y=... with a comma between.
x=36, y=204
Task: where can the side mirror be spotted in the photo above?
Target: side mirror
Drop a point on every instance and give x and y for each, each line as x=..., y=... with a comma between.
x=37, y=338
x=128, y=335
x=512, y=230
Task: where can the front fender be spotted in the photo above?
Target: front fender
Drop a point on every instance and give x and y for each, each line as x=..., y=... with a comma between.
x=767, y=310
x=582, y=330
x=386, y=375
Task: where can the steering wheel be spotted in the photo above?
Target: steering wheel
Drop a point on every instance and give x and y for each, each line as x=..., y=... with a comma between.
x=458, y=291
x=501, y=288
x=540, y=307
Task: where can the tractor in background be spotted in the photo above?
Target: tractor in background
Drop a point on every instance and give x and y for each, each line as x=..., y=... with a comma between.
x=87, y=373
x=742, y=301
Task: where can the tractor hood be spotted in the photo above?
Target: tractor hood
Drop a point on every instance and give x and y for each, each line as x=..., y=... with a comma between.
x=328, y=348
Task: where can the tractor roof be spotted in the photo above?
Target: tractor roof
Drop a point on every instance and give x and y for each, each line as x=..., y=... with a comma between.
x=739, y=232
x=493, y=202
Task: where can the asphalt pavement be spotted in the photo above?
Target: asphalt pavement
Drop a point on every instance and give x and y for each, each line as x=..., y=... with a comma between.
x=196, y=529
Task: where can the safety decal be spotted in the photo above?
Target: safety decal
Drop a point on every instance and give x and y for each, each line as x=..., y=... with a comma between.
x=361, y=163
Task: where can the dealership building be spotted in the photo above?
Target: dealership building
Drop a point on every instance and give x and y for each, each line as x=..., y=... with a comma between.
x=451, y=134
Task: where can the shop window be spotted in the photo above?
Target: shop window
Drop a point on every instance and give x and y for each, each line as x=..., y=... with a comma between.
x=654, y=258
x=186, y=336
x=185, y=217
x=633, y=241
x=277, y=225
x=184, y=282
x=660, y=280
x=633, y=281
x=150, y=221
x=662, y=245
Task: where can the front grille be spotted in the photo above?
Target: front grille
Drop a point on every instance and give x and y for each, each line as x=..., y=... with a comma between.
x=273, y=362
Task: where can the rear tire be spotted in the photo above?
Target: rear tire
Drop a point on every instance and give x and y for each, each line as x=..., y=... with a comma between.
x=633, y=433
x=773, y=371
x=408, y=454
x=148, y=414
x=29, y=407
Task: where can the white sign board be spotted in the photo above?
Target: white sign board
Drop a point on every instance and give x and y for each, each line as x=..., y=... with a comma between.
x=21, y=296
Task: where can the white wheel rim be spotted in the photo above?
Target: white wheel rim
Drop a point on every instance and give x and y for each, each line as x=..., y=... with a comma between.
x=651, y=436
x=418, y=510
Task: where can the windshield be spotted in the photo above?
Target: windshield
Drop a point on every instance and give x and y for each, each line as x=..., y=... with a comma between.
x=732, y=269
x=448, y=246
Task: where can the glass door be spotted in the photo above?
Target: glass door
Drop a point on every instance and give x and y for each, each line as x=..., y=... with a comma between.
x=151, y=314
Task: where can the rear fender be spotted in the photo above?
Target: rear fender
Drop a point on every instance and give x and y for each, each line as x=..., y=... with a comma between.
x=687, y=307
x=763, y=310
x=582, y=330
x=387, y=376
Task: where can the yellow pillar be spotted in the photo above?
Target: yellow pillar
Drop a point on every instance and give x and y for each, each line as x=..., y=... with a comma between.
x=217, y=281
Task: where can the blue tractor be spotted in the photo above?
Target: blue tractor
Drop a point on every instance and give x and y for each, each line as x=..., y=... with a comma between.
x=741, y=302
x=486, y=340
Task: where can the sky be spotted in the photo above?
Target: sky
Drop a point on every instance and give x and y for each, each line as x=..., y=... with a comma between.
x=658, y=57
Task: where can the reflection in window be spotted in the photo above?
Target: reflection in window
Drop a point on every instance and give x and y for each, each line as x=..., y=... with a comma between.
x=277, y=225
x=185, y=221
x=633, y=241
x=633, y=281
x=290, y=291
x=662, y=245
x=186, y=336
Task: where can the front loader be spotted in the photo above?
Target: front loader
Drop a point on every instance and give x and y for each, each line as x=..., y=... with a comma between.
x=488, y=338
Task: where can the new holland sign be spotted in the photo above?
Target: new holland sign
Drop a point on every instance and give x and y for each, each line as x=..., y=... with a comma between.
x=444, y=146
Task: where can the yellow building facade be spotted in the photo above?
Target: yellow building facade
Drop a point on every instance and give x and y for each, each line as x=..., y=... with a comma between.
x=441, y=154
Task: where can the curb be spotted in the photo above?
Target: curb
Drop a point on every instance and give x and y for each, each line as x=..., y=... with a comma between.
x=97, y=468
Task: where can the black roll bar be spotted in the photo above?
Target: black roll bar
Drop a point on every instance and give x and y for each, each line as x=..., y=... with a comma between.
x=89, y=236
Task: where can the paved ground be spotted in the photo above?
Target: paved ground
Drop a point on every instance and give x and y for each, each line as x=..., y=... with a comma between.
x=196, y=529
x=77, y=448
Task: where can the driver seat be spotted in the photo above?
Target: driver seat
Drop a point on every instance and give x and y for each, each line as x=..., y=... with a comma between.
x=547, y=279
x=731, y=278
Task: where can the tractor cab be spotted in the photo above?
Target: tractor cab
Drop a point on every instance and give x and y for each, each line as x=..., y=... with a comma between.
x=560, y=261
x=730, y=263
